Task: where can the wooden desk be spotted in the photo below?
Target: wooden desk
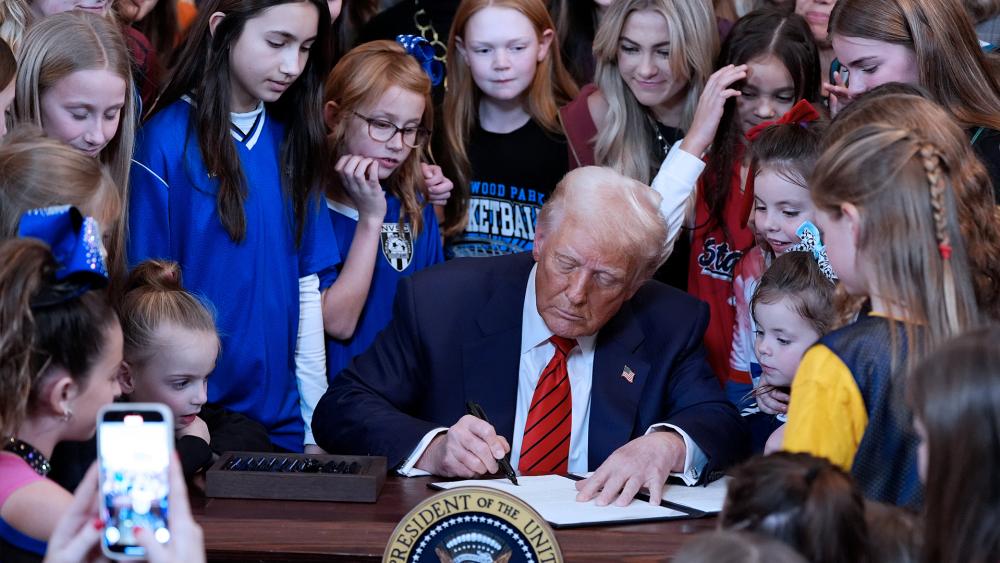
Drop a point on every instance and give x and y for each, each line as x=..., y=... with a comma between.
x=245, y=530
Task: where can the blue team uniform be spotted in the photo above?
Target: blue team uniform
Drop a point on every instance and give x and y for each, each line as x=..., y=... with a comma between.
x=254, y=285
x=400, y=255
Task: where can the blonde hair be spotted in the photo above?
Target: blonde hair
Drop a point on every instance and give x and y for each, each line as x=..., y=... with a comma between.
x=15, y=15
x=950, y=62
x=978, y=218
x=38, y=171
x=154, y=297
x=596, y=198
x=364, y=74
x=624, y=142
x=59, y=45
x=909, y=236
x=551, y=87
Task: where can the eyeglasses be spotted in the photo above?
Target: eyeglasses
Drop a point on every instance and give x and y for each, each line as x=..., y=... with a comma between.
x=382, y=131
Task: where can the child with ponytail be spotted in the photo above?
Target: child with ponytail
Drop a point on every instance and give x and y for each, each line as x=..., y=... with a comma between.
x=782, y=154
x=60, y=356
x=887, y=201
x=226, y=181
x=171, y=347
x=378, y=112
x=782, y=68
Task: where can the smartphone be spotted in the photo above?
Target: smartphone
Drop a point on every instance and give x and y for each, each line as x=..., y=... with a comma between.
x=134, y=446
x=835, y=67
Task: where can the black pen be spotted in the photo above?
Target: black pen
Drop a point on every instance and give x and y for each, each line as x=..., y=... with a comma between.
x=504, y=463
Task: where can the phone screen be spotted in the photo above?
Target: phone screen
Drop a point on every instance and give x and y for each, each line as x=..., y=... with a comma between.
x=135, y=455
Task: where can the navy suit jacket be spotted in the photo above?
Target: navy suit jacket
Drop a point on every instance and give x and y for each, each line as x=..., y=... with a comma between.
x=456, y=337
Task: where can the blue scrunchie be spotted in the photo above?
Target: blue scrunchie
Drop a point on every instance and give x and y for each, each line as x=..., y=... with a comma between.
x=75, y=242
x=421, y=50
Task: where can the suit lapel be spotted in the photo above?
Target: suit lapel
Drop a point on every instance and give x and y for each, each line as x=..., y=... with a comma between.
x=614, y=400
x=490, y=363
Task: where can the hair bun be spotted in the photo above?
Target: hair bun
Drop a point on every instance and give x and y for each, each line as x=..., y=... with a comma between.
x=155, y=275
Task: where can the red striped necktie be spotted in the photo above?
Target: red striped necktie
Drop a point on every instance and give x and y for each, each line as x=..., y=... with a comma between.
x=545, y=446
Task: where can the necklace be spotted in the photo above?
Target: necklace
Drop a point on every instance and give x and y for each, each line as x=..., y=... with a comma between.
x=426, y=28
x=663, y=142
x=29, y=454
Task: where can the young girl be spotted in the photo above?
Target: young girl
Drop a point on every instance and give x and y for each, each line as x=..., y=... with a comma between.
x=504, y=144
x=59, y=363
x=782, y=68
x=932, y=44
x=223, y=188
x=378, y=111
x=792, y=308
x=8, y=71
x=781, y=155
x=38, y=171
x=804, y=501
x=645, y=97
x=955, y=397
x=170, y=348
x=903, y=105
x=74, y=80
x=887, y=204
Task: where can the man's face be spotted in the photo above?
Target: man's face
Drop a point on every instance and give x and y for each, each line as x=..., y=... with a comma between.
x=580, y=284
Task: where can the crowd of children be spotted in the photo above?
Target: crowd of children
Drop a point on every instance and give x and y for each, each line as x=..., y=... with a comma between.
x=828, y=172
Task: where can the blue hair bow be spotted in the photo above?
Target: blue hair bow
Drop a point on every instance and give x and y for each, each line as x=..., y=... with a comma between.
x=422, y=50
x=75, y=242
x=810, y=241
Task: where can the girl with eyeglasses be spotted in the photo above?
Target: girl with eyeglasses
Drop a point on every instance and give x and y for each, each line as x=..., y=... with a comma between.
x=378, y=111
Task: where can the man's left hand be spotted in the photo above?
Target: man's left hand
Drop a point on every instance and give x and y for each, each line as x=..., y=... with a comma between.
x=643, y=462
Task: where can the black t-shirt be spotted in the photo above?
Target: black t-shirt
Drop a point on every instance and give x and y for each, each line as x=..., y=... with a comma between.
x=512, y=176
x=986, y=143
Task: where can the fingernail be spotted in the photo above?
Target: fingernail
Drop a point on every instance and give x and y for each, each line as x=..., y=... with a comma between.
x=98, y=524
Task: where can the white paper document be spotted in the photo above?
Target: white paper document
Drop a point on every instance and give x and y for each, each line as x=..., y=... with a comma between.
x=554, y=498
x=706, y=499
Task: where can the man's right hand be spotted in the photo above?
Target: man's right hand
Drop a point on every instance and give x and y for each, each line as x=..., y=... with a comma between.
x=470, y=448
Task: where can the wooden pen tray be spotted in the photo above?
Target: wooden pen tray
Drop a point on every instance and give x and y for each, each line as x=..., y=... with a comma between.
x=256, y=475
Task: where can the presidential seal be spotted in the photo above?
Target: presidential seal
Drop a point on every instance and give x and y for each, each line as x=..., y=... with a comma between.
x=472, y=525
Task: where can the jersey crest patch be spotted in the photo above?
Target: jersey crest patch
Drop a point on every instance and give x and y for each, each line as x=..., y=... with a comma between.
x=397, y=245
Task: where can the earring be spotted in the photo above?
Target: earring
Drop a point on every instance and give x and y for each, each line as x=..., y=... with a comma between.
x=67, y=414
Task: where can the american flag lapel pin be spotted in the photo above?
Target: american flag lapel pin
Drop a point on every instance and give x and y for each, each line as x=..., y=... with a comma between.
x=628, y=374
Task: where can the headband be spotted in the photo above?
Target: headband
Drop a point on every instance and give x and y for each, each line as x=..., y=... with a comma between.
x=801, y=114
x=75, y=243
x=810, y=241
x=421, y=49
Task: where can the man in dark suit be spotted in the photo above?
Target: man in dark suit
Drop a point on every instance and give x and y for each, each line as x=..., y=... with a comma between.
x=580, y=362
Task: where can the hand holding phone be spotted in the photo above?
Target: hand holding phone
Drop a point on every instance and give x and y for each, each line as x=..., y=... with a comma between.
x=78, y=532
x=134, y=443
